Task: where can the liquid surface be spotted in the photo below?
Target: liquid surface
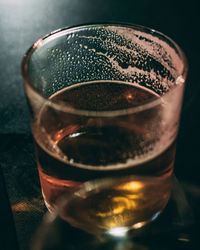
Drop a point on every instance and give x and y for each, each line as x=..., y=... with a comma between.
x=104, y=96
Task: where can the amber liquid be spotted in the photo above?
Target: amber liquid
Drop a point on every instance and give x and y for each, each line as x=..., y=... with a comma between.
x=84, y=148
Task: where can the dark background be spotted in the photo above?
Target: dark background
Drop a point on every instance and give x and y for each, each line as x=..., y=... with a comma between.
x=24, y=21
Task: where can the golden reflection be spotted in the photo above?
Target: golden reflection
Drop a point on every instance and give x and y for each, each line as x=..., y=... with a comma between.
x=21, y=207
x=58, y=136
x=132, y=186
x=139, y=225
x=64, y=132
x=119, y=205
x=130, y=194
x=129, y=97
x=35, y=204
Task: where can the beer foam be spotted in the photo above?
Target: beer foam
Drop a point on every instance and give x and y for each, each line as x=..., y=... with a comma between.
x=107, y=52
x=154, y=46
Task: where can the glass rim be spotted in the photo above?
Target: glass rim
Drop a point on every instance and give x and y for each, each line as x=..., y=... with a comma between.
x=110, y=113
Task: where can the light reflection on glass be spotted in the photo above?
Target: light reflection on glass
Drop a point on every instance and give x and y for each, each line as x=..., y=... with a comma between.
x=118, y=231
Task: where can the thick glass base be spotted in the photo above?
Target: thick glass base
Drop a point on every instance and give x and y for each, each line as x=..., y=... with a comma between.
x=176, y=228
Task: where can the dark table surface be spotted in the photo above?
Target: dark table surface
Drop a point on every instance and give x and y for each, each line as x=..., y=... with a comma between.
x=21, y=23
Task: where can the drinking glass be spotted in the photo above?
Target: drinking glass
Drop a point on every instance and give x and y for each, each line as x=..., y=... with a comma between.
x=105, y=102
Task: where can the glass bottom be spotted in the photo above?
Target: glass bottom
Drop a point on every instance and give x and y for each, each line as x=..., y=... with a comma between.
x=176, y=228
x=114, y=206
